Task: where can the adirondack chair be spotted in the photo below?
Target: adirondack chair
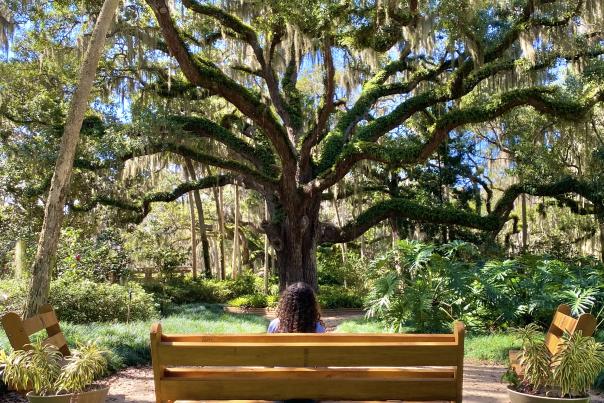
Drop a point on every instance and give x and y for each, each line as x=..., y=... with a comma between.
x=562, y=321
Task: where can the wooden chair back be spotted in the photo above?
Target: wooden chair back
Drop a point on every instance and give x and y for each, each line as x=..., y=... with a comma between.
x=19, y=331
x=308, y=366
x=563, y=321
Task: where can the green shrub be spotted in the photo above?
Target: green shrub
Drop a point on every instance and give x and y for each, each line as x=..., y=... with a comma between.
x=272, y=301
x=244, y=284
x=102, y=258
x=12, y=296
x=85, y=301
x=331, y=270
x=426, y=287
x=186, y=290
x=332, y=297
x=250, y=301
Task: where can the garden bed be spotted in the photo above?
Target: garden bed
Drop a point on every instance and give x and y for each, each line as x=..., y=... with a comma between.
x=270, y=312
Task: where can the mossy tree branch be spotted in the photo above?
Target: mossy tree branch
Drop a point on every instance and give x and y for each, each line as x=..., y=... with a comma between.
x=258, y=180
x=249, y=35
x=493, y=222
x=142, y=207
x=548, y=100
x=206, y=75
x=262, y=158
x=325, y=109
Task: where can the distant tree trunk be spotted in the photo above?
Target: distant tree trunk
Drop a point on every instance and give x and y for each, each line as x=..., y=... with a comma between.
x=343, y=247
x=193, y=236
x=205, y=245
x=244, y=247
x=266, y=256
x=19, y=259
x=524, y=224
x=39, y=285
x=235, y=258
x=601, y=225
x=220, y=217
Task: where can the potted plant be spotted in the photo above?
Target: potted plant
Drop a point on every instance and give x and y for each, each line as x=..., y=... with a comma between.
x=51, y=378
x=565, y=376
x=2, y=361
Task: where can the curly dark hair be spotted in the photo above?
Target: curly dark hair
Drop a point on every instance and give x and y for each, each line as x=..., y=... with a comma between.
x=298, y=310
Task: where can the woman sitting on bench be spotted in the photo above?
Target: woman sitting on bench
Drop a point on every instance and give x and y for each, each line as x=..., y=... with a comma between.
x=298, y=311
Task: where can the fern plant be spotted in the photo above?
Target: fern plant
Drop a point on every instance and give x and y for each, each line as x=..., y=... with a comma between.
x=41, y=369
x=569, y=372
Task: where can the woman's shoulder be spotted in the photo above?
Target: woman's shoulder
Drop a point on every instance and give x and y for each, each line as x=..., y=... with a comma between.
x=273, y=326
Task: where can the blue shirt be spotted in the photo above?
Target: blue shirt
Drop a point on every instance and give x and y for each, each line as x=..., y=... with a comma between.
x=274, y=326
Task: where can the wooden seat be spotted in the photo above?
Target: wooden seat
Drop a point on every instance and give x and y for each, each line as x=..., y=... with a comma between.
x=561, y=322
x=308, y=366
x=19, y=331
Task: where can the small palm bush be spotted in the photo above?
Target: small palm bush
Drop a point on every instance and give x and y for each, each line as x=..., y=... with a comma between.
x=40, y=369
x=569, y=372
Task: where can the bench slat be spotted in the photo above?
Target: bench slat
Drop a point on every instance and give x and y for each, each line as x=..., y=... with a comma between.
x=40, y=322
x=58, y=340
x=308, y=338
x=323, y=389
x=308, y=354
x=307, y=373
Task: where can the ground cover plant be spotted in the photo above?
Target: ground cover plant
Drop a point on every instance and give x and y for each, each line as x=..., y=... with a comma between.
x=426, y=287
x=41, y=369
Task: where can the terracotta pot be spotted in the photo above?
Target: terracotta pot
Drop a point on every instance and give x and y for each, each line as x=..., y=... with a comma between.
x=518, y=397
x=93, y=396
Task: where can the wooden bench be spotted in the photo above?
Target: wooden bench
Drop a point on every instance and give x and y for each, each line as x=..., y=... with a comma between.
x=561, y=322
x=308, y=366
x=19, y=331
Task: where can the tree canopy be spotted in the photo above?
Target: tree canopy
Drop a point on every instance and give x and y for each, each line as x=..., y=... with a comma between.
x=400, y=106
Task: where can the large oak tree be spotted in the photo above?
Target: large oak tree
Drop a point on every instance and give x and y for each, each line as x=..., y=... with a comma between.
x=391, y=82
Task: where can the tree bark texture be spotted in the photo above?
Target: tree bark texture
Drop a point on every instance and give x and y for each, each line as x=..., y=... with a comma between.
x=205, y=245
x=53, y=213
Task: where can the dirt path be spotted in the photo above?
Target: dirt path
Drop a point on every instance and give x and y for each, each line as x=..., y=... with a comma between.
x=481, y=384
x=135, y=385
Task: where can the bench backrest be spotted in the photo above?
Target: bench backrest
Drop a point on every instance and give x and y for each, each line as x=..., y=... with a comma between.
x=19, y=331
x=293, y=357
x=563, y=321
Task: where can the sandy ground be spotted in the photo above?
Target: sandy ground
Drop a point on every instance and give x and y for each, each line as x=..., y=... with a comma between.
x=135, y=385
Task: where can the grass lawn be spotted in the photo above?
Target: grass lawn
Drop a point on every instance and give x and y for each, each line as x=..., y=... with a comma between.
x=492, y=347
x=130, y=342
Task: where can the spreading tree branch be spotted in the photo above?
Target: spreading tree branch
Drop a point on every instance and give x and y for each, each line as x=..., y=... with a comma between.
x=206, y=75
x=493, y=222
x=142, y=207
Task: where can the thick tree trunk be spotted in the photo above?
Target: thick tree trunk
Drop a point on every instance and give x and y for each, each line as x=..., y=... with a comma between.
x=53, y=214
x=295, y=242
x=205, y=245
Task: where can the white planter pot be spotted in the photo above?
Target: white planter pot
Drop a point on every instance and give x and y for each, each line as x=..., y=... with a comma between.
x=519, y=397
x=93, y=396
